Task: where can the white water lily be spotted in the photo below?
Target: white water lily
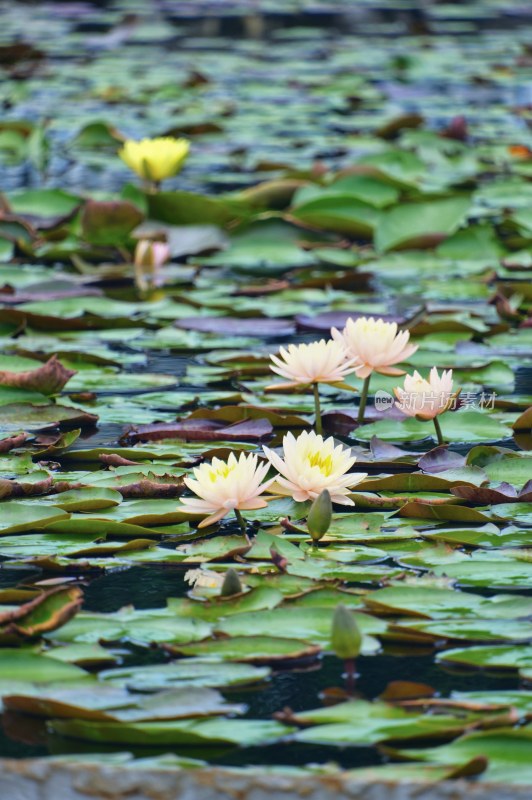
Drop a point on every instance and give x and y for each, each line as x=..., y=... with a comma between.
x=224, y=486
x=317, y=362
x=311, y=464
x=375, y=344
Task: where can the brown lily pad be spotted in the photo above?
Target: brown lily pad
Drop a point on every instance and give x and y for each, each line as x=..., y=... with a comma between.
x=46, y=612
x=109, y=223
x=503, y=493
x=10, y=442
x=201, y=430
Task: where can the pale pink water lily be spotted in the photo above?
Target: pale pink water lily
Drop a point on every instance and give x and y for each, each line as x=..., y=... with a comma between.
x=151, y=254
x=311, y=464
x=317, y=362
x=149, y=257
x=224, y=486
x=427, y=399
x=375, y=344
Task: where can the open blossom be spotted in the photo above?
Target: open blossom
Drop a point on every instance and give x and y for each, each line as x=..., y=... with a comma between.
x=155, y=159
x=426, y=398
x=222, y=486
x=375, y=344
x=312, y=464
x=318, y=362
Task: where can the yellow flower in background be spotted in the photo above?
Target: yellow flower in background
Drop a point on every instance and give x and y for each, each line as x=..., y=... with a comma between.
x=224, y=486
x=426, y=399
x=155, y=159
x=311, y=464
x=305, y=364
x=376, y=345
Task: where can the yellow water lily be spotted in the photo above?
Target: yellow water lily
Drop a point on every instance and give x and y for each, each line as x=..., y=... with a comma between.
x=224, y=486
x=376, y=345
x=311, y=464
x=155, y=159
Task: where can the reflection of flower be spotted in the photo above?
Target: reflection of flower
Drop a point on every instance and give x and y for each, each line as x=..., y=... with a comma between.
x=223, y=486
x=312, y=464
x=426, y=399
x=204, y=578
x=155, y=159
x=318, y=362
x=376, y=345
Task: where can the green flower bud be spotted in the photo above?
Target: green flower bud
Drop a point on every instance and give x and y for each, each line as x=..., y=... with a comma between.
x=319, y=516
x=231, y=584
x=346, y=639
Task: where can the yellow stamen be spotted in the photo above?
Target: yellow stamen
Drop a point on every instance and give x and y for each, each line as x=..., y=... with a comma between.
x=324, y=464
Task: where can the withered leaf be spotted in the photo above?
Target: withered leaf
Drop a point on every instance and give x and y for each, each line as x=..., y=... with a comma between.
x=48, y=379
x=44, y=613
x=20, y=489
x=503, y=493
x=10, y=442
x=148, y=489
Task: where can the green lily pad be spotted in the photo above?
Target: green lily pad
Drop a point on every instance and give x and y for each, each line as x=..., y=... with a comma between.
x=157, y=734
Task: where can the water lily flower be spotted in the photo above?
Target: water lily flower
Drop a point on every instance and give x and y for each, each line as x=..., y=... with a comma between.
x=204, y=578
x=149, y=257
x=376, y=345
x=311, y=464
x=426, y=399
x=310, y=365
x=155, y=159
x=224, y=486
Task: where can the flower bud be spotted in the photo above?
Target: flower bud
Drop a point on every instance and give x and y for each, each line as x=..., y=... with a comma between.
x=346, y=638
x=151, y=254
x=320, y=516
x=231, y=584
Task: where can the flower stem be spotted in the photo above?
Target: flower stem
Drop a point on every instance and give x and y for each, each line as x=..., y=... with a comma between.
x=240, y=519
x=363, y=399
x=350, y=675
x=437, y=426
x=317, y=408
